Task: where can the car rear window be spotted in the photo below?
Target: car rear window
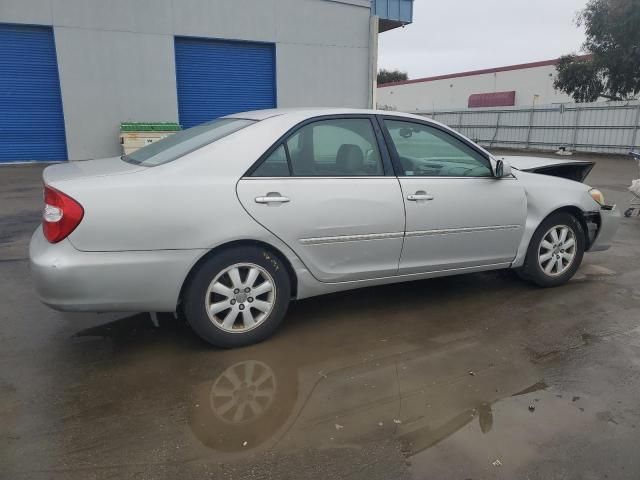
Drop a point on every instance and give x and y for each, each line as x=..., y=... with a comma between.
x=179, y=144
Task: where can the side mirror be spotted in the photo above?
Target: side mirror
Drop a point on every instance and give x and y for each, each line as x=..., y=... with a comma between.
x=503, y=169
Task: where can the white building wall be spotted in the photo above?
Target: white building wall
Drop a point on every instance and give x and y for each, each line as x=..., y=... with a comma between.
x=453, y=93
x=116, y=58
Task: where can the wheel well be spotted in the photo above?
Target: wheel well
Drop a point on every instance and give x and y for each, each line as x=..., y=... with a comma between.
x=582, y=218
x=240, y=243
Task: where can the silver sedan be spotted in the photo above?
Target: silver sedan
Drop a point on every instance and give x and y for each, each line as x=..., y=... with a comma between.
x=227, y=222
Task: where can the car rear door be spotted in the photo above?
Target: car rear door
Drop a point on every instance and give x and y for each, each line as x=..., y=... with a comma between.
x=458, y=215
x=327, y=190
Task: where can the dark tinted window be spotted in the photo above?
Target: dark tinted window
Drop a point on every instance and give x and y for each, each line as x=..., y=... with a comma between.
x=275, y=165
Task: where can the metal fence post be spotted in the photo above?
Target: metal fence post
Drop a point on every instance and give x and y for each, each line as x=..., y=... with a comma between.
x=635, y=129
x=495, y=134
x=533, y=108
x=576, y=126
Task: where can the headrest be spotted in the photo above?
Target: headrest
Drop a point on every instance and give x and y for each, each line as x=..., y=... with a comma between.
x=349, y=158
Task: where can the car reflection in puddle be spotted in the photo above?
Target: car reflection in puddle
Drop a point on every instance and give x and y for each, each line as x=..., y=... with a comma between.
x=243, y=392
x=384, y=377
x=419, y=396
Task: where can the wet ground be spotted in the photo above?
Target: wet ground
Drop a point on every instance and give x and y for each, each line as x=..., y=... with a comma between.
x=471, y=377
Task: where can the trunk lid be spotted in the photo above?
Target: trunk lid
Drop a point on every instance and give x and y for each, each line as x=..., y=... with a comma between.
x=88, y=168
x=576, y=170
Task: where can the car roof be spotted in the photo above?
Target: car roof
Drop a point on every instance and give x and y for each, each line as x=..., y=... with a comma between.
x=301, y=114
x=316, y=112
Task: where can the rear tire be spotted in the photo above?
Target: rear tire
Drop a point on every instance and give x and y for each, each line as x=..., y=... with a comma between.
x=237, y=297
x=555, y=251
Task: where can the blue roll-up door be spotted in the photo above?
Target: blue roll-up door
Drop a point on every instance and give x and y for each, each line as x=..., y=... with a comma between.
x=217, y=78
x=31, y=119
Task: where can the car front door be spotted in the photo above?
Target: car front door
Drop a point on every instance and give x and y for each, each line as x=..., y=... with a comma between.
x=328, y=191
x=458, y=215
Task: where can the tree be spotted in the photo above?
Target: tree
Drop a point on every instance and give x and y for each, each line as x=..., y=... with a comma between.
x=389, y=76
x=611, y=68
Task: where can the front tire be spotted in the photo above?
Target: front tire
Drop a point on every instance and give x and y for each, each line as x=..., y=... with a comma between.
x=237, y=297
x=555, y=251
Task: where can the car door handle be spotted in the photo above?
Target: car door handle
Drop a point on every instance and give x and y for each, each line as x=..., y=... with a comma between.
x=272, y=199
x=419, y=196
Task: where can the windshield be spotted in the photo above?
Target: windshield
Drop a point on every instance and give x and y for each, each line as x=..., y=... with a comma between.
x=179, y=144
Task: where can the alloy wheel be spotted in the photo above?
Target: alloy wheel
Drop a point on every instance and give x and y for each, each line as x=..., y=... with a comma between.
x=557, y=250
x=240, y=298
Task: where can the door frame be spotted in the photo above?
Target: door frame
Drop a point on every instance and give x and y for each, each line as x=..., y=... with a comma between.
x=397, y=165
x=388, y=175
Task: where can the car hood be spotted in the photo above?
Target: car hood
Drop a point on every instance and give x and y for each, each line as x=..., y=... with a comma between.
x=88, y=168
x=577, y=170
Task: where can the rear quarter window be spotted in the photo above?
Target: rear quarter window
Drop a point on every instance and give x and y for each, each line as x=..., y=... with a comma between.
x=179, y=144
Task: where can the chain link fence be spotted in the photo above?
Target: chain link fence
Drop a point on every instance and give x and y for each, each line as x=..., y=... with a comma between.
x=610, y=127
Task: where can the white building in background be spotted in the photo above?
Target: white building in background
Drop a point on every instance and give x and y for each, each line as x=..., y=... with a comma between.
x=514, y=85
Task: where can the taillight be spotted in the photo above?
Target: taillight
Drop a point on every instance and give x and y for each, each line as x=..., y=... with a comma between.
x=61, y=215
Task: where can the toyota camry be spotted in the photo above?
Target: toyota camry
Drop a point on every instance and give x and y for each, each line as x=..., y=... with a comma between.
x=229, y=221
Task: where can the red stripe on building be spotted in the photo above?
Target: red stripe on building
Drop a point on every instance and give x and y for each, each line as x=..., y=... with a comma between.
x=494, y=99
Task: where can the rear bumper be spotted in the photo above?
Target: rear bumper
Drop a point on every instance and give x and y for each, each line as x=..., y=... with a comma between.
x=609, y=223
x=68, y=279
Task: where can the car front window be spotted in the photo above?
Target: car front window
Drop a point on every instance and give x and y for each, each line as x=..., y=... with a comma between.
x=428, y=151
x=179, y=144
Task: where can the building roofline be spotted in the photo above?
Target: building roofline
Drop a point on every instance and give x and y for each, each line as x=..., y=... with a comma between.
x=507, y=68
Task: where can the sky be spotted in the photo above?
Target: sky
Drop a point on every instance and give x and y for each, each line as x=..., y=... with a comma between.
x=450, y=36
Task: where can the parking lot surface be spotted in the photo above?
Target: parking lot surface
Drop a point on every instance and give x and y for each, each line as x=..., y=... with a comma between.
x=469, y=377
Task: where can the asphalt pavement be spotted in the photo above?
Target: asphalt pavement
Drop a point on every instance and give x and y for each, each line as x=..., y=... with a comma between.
x=476, y=376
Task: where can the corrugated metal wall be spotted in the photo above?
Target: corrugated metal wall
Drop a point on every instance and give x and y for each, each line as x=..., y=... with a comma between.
x=217, y=78
x=610, y=127
x=31, y=119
